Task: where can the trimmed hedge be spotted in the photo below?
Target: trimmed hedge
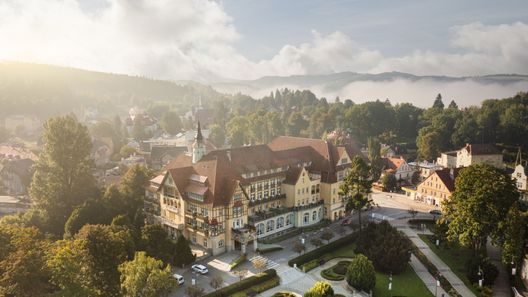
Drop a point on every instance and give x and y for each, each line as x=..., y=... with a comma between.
x=244, y=284
x=444, y=283
x=237, y=261
x=315, y=254
x=253, y=291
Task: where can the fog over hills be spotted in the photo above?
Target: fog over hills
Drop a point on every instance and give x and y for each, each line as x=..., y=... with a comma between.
x=396, y=86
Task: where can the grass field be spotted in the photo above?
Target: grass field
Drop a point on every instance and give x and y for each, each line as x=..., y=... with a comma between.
x=455, y=257
x=406, y=283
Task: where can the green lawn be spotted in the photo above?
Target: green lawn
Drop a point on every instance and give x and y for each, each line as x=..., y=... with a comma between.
x=455, y=257
x=406, y=283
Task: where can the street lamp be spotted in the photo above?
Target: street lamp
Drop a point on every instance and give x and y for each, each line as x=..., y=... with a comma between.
x=437, y=284
x=481, y=277
x=390, y=284
x=514, y=269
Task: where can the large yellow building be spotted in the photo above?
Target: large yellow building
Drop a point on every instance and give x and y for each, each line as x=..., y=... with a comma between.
x=438, y=186
x=226, y=199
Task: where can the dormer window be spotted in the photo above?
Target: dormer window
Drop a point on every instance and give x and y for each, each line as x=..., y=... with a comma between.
x=195, y=196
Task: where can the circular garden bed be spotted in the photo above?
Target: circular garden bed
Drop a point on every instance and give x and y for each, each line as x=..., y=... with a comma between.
x=336, y=272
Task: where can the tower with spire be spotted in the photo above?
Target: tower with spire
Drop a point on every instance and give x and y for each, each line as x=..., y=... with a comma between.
x=198, y=147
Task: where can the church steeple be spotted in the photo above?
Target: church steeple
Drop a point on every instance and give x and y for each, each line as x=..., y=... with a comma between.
x=198, y=148
x=199, y=136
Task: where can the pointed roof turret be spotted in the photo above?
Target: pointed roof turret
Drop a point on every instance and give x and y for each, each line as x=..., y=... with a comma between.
x=199, y=136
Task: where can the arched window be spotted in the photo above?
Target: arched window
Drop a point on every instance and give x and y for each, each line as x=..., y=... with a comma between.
x=271, y=225
x=289, y=219
x=280, y=222
x=260, y=229
x=306, y=218
x=314, y=215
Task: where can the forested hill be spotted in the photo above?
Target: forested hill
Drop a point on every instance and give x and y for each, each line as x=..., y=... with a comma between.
x=45, y=90
x=397, y=86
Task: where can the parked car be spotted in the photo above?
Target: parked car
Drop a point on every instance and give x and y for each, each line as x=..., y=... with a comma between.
x=435, y=212
x=178, y=278
x=346, y=222
x=200, y=268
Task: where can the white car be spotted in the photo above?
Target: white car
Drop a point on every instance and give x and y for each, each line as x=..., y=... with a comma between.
x=200, y=268
x=178, y=278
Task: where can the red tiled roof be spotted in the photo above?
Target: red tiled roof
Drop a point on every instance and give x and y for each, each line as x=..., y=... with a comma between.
x=447, y=179
x=293, y=175
x=393, y=162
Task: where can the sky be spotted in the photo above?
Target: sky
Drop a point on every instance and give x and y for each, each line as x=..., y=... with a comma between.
x=212, y=41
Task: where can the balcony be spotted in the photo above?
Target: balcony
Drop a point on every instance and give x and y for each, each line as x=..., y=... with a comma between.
x=308, y=206
x=266, y=200
x=170, y=223
x=263, y=215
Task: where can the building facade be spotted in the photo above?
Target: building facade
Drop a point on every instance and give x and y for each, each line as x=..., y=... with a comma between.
x=473, y=154
x=521, y=181
x=437, y=187
x=227, y=199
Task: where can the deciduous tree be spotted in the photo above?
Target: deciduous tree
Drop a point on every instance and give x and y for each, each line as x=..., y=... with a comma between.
x=361, y=274
x=145, y=277
x=63, y=178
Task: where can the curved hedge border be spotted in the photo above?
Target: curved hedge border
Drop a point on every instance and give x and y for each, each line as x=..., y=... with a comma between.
x=244, y=284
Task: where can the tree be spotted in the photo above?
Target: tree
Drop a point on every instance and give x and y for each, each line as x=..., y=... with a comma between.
x=217, y=135
x=23, y=271
x=514, y=231
x=216, y=282
x=453, y=104
x=156, y=243
x=386, y=247
x=195, y=291
x=413, y=212
x=374, y=155
x=327, y=234
x=320, y=289
x=132, y=189
x=183, y=250
x=126, y=151
x=428, y=143
x=236, y=131
x=260, y=264
x=357, y=185
x=361, y=274
x=145, y=277
x=63, y=178
x=298, y=247
x=90, y=212
x=483, y=195
x=241, y=274
x=295, y=124
x=438, y=102
x=317, y=242
x=171, y=122
x=389, y=182
x=68, y=263
x=106, y=247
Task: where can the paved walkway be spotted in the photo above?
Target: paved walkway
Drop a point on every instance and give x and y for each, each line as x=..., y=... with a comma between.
x=501, y=286
x=455, y=281
x=426, y=277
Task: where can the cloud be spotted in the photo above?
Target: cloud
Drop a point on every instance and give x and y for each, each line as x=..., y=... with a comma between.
x=195, y=39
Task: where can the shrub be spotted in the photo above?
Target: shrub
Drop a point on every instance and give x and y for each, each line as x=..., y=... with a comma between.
x=320, y=289
x=245, y=284
x=237, y=261
x=361, y=274
x=489, y=270
x=388, y=248
x=268, y=248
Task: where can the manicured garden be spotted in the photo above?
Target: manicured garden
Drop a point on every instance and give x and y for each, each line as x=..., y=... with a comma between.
x=454, y=256
x=336, y=272
x=406, y=283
